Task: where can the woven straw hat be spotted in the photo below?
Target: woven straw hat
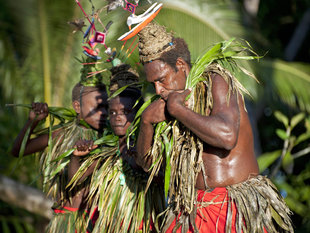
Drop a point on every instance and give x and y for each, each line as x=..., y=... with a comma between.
x=154, y=40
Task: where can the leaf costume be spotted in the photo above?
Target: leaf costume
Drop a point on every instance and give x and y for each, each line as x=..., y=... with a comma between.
x=183, y=149
x=117, y=189
x=55, y=160
x=53, y=166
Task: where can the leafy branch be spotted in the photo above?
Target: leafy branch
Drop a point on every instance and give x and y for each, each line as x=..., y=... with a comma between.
x=284, y=157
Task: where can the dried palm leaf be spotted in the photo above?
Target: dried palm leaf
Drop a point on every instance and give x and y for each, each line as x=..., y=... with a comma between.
x=119, y=193
x=55, y=158
x=260, y=207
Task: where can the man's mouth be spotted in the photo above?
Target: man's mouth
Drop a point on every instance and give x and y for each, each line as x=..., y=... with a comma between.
x=164, y=97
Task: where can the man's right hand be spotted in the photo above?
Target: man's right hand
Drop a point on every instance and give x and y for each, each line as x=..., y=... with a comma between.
x=155, y=112
x=38, y=109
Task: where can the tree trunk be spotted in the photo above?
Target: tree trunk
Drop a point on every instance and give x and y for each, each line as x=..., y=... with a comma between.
x=25, y=197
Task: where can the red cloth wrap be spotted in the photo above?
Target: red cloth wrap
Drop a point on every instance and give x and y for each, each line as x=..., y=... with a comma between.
x=211, y=213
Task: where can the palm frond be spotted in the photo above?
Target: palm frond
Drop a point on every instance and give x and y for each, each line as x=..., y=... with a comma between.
x=287, y=81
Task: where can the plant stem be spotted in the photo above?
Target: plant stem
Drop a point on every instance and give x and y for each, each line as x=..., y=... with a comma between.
x=284, y=151
x=301, y=153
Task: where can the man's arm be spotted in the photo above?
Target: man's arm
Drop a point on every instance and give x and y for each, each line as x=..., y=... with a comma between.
x=38, y=112
x=221, y=128
x=153, y=114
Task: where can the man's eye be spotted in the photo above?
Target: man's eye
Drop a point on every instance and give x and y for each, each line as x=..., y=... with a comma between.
x=112, y=113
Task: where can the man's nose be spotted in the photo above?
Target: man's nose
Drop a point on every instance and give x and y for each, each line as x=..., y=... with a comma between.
x=158, y=89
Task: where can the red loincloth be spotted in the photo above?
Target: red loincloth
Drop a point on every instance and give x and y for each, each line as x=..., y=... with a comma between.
x=211, y=212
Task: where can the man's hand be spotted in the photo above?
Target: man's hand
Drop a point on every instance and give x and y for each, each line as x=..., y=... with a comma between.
x=83, y=147
x=155, y=112
x=38, y=109
x=176, y=100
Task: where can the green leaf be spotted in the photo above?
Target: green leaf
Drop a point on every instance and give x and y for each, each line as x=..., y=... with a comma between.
x=301, y=138
x=17, y=226
x=288, y=163
x=289, y=82
x=121, y=89
x=61, y=113
x=307, y=124
x=282, y=134
x=84, y=123
x=266, y=159
x=116, y=93
x=60, y=167
x=109, y=140
x=5, y=226
x=296, y=119
x=29, y=228
x=64, y=155
x=19, y=105
x=168, y=146
x=25, y=139
x=282, y=118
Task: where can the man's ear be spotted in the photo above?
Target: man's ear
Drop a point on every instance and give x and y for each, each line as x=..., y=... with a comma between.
x=182, y=65
x=76, y=106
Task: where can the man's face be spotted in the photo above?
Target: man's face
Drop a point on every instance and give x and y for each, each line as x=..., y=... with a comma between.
x=164, y=78
x=121, y=114
x=94, y=109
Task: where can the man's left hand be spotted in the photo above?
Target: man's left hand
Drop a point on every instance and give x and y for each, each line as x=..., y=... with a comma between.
x=176, y=100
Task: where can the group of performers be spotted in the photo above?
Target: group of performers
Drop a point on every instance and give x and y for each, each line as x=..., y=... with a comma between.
x=180, y=162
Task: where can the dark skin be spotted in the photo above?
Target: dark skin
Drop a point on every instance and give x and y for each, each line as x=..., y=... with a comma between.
x=93, y=111
x=39, y=110
x=83, y=147
x=227, y=135
x=121, y=115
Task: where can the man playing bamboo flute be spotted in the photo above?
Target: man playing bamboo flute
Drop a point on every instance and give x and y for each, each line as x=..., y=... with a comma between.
x=214, y=182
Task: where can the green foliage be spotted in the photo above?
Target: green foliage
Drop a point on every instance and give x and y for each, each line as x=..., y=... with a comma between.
x=287, y=82
x=290, y=141
x=280, y=164
x=266, y=159
x=15, y=220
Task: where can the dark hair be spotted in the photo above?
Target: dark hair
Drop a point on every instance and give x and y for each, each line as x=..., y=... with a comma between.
x=77, y=91
x=180, y=50
x=134, y=94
